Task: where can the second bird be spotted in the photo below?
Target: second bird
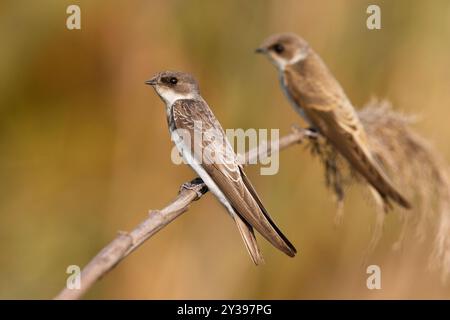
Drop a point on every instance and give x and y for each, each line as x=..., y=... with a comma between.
x=319, y=99
x=213, y=159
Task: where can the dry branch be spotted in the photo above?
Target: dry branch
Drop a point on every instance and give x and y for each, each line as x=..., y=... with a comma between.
x=126, y=242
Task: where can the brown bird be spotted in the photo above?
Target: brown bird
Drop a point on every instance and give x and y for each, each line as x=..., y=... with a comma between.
x=318, y=97
x=204, y=146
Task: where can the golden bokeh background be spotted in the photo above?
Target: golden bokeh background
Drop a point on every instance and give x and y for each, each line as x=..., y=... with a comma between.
x=85, y=151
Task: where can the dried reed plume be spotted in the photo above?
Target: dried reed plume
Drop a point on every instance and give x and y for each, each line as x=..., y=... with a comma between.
x=413, y=165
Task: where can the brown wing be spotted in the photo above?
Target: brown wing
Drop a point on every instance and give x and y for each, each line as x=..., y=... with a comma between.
x=252, y=190
x=219, y=161
x=341, y=125
x=327, y=107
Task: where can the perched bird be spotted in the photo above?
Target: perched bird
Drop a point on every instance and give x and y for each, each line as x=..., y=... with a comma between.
x=318, y=97
x=207, y=150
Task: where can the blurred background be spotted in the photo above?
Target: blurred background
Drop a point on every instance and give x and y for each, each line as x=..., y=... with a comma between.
x=85, y=151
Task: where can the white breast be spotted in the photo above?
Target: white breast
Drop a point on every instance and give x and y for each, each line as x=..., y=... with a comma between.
x=294, y=105
x=194, y=163
x=170, y=96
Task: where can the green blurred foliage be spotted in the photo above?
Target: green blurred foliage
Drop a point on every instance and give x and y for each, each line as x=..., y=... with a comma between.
x=84, y=148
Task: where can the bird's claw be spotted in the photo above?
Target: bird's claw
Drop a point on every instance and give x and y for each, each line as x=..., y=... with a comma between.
x=312, y=133
x=197, y=185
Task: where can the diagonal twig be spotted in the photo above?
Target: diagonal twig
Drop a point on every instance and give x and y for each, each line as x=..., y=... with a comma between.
x=126, y=242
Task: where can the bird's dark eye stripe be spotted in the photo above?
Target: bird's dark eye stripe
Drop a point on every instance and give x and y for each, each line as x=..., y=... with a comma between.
x=169, y=80
x=278, y=48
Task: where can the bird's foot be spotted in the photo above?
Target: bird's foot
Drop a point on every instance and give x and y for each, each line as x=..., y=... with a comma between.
x=197, y=185
x=312, y=133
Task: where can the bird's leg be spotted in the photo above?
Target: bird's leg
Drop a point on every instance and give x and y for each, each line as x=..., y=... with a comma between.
x=312, y=133
x=197, y=185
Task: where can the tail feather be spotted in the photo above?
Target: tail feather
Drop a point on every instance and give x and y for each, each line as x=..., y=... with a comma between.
x=249, y=238
x=363, y=161
x=385, y=187
x=272, y=233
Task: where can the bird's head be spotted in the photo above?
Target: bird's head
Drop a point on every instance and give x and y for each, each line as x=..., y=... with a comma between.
x=284, y=49
x=174, y=85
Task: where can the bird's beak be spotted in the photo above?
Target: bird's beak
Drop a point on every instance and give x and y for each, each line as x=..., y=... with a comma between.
x=153, y=81
x=260, y=50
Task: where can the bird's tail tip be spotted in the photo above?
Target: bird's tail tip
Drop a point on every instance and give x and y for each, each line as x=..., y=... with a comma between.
x=399, y=199
x=248, y=236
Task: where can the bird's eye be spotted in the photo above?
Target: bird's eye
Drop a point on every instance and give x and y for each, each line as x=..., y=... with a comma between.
x=173, y=80
x=278, y=48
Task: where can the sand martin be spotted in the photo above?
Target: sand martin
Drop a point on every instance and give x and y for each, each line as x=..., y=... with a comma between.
x=187, y=111
x=318, y=97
